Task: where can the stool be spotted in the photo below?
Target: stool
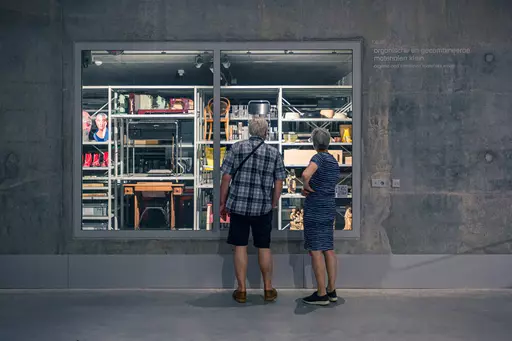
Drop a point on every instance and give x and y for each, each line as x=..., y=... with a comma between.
x=153, y=208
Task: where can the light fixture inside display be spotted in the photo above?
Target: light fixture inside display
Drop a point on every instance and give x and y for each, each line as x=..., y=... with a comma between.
x=115, y=52
x=199, y=61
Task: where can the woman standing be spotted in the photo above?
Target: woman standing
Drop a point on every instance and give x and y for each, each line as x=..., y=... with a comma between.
x=320, y=179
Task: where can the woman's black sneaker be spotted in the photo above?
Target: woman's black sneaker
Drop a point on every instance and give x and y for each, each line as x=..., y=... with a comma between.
x=332, y=296
x=316, y=300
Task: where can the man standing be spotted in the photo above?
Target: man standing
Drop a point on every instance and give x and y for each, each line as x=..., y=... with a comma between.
x=253, y=174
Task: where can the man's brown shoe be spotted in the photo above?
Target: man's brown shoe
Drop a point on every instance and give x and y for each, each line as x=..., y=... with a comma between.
x=270, y=295
x=240, y=296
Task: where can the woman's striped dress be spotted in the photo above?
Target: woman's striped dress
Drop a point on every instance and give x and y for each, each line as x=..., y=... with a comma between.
x=319, y=206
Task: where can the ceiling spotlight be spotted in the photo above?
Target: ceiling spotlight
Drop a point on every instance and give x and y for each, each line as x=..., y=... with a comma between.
x=199, y=61
x=98, y=62
x=115, y=52
x=225, y=62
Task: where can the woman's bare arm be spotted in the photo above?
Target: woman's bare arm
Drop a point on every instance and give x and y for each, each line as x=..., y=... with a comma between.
x=307, y=174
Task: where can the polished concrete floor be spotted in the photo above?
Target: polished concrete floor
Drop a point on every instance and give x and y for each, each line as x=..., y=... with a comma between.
x=211, y=315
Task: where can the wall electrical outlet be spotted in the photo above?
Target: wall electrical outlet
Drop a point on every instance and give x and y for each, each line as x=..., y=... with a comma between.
x=380, y=183
x=395, y=183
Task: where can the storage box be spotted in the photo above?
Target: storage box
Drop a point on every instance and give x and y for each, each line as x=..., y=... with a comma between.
x=348, y=160
x=298, y=156
x=303, y=156
x=337, y=154
x=99, y=209
x=145, y=142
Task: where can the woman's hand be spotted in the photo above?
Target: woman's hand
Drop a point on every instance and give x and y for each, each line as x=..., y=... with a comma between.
x=306, y=176
x=307, y=190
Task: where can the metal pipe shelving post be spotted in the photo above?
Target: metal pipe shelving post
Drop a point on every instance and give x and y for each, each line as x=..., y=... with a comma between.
x=109, y=205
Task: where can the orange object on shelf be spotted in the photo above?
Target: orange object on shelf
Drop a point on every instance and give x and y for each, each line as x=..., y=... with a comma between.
x=225, y=106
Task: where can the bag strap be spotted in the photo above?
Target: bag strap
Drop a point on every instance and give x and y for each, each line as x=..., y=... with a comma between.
x=246, y=158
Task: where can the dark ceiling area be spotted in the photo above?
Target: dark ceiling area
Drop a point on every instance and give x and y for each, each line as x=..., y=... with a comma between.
x=243, y=68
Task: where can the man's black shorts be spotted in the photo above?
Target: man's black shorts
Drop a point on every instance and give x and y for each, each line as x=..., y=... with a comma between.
x=261, y=227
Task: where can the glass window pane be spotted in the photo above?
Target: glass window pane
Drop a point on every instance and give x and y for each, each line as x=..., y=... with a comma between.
x=140, y=124
x=296, y=92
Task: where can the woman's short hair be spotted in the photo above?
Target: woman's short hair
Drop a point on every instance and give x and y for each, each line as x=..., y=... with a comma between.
x=258, y=126
x=101, y=116
x=321, y=138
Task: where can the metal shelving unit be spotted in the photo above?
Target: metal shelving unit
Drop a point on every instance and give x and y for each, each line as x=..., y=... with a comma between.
x=97, y=100
x=117, y=148
x=287, y=94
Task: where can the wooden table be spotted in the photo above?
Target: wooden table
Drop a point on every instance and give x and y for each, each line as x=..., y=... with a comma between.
x=138, y=188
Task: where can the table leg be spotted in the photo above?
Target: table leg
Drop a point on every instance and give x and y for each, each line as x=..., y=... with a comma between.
x=136, y=219
x=173, y=217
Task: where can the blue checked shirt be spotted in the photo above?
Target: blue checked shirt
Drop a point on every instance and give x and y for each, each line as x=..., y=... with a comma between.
x=250, y=192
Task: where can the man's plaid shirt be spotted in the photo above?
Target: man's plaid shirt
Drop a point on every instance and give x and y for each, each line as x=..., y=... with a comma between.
x=250, y=192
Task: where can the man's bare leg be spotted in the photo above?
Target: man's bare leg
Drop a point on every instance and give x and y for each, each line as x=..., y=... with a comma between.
x=241, y=260
x=266, y=267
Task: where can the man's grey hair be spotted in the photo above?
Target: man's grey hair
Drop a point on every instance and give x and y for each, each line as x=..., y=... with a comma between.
x=258, y=126
x=321, y=138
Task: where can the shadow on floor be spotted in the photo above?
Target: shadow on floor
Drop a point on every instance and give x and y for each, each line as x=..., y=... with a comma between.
x=302, y=308
x=224, y=300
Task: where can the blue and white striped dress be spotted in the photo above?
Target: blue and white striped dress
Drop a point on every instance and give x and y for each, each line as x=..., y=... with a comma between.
x=320, y=206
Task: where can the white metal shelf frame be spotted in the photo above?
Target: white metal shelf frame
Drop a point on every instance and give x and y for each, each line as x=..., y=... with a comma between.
x=308, y=92
x=353, y=46
x=107, y=175
x=199, y=93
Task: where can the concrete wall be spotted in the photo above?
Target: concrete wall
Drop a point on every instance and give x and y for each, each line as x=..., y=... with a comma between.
x=431, y=128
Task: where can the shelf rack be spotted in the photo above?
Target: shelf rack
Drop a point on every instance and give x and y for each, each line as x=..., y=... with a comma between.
x=200, y=95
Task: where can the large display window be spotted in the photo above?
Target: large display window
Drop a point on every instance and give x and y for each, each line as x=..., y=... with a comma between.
x=156, y=125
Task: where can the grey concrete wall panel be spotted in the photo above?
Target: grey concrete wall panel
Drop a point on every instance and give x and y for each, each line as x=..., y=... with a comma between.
x=30, y=133
x=431, y=128
x=33, y=272
x=420, y=271
x=176, y=271
x=216, y=271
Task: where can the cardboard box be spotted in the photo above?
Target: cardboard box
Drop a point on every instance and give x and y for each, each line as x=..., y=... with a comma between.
x=298, y=156
x=348, y=160
x=94, y=209
x=145, y=142
x=303, y=156
x=337, y=154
